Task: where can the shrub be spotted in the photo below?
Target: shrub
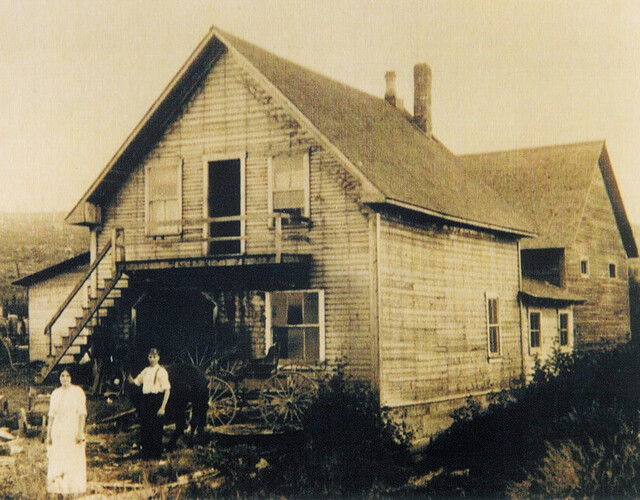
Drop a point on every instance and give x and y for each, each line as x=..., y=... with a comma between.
x=569, y=470
x=348, y=445
x=587, y=399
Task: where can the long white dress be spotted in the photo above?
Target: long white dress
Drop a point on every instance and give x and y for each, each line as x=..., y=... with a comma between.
x=67, y=471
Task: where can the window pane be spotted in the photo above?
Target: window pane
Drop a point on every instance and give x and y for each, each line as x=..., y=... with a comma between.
x=278, y=309
x=288, y=199
x=296, y=343
x=163, y=182
x=534, y=319
x=310, y=312
x=492, y=306
x=294, y=308
x=281, y=336
x=494, y=347
x=288, y=172
x=312, y=344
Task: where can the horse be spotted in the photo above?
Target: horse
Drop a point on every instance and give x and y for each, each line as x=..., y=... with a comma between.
x=188, y=386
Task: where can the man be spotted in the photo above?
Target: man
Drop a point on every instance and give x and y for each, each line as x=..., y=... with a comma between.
x=156, y=389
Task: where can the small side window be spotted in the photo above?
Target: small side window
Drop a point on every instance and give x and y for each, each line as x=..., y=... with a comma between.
x=493, y=326
x=534, y=331
x=612, y=270
x=563, y=329
x=584, y=267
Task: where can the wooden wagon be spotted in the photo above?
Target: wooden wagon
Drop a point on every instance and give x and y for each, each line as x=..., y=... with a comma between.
x=242, y=391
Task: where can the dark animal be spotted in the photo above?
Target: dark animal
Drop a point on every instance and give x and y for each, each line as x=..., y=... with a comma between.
x=188, y=386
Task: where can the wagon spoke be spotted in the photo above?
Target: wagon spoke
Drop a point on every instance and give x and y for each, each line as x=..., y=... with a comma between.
x=284, y=398
x=223, y=403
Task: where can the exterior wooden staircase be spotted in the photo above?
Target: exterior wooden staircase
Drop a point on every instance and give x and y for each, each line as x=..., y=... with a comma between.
x=103, y=285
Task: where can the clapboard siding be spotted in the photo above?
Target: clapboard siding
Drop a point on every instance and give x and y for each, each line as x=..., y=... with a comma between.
x=605, y=314
x=44, y=299
x=433, y=329
x=228, y=114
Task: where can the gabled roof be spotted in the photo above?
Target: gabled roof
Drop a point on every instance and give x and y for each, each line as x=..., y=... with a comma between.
x=552, y=185
x=72, y=264
x=395, y=160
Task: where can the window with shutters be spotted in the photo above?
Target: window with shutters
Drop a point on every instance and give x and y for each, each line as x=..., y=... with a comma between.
x=163, y=198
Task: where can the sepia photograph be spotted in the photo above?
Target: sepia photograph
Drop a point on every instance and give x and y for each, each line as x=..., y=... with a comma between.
x=336, y=249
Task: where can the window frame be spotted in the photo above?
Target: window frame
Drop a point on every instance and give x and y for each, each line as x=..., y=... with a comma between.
x=271, y=181
x=498, y=354
x=532, y=348
x=269, y=338
x=584, y=261
x=569, y=344
x=177, y=163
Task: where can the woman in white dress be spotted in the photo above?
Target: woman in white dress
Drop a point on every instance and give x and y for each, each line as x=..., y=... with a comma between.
x=67, y=471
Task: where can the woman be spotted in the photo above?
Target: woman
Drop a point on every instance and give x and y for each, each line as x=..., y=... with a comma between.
x=67, y=471
x=156, y=389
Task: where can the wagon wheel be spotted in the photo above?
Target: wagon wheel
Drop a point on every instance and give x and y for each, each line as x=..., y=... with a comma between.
x=223, y=403
x=285, y=397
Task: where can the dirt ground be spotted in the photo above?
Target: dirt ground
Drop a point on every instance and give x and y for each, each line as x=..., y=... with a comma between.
x=113, y=467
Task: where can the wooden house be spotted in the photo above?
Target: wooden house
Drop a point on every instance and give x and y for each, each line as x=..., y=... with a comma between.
x=47, y=289
x=584, y=236
x=258, y=202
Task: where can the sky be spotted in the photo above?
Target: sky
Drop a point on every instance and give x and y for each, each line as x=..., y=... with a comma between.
x=76, y=76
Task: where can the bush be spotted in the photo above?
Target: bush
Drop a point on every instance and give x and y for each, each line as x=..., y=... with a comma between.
x=569, y=470
x=348, y=446
x=584, y=402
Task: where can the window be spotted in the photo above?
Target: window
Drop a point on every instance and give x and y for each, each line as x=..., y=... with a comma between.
x=612, y=270
x=534, y=330
x=297, y=324
x=163, y=196
x=584, y=267
x=289, y=184
x=493, y=326
x=563, y=328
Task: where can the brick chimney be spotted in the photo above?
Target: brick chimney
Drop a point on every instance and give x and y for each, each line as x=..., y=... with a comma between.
x=422, y=97
x=390, y=94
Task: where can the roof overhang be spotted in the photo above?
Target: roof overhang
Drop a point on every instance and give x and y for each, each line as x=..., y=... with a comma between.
x=388, y=202
x=538, y=293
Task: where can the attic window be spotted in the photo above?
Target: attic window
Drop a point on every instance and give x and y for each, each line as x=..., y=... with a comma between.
x=584, y=267
x=612, y=270
x=163, y=197
x=289, y=184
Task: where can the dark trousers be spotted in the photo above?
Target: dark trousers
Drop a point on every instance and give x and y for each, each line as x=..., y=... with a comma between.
x=151, y=425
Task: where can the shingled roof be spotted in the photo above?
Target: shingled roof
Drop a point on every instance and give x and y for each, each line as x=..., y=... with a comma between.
x=398, y=163
x=551, y=184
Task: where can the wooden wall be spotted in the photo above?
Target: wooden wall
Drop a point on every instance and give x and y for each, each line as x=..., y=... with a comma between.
x=229, y=114
x=605, y=315
x=44, y=299
x=433, y=327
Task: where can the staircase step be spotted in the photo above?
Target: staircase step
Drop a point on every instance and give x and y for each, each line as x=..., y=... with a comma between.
x=82, y=339
x=73, y=349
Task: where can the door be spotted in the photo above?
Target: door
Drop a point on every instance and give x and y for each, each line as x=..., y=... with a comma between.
x=224, y=199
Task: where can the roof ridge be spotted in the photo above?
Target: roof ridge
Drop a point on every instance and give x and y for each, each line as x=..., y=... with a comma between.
x=534, y=148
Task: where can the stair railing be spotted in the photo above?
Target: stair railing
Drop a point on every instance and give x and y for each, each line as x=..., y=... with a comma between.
x=113, y=242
